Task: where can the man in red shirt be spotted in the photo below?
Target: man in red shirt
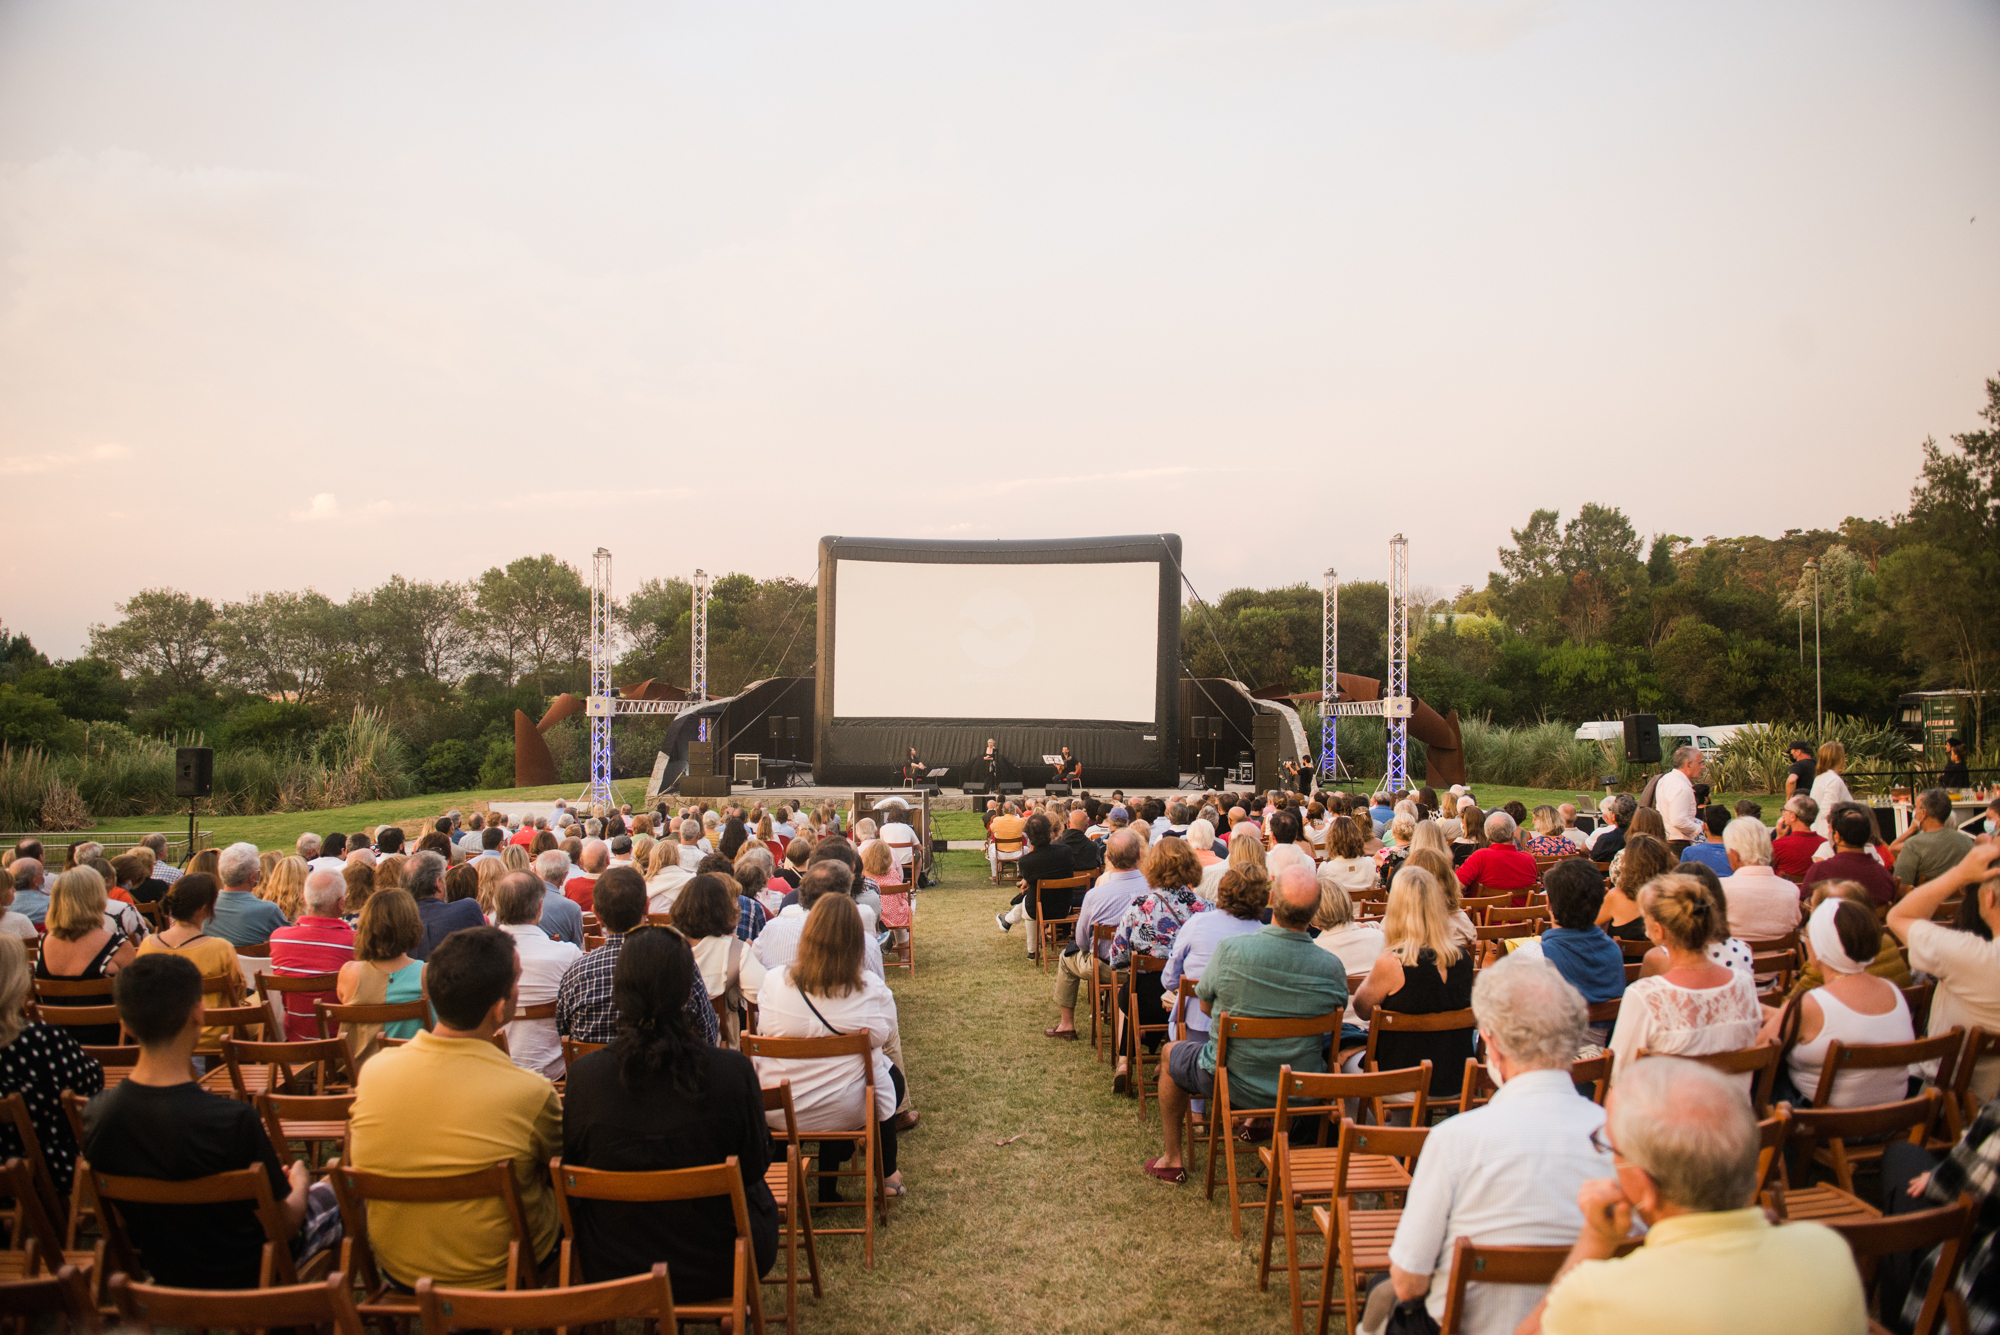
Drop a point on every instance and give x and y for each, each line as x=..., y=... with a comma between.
x=319, y=942
x=592, y=858
x=525, y=836
x=1794, y=843
x=1499, y=866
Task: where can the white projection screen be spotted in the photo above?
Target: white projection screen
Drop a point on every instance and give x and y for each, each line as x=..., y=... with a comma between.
x=940, y=646
x=985, y=649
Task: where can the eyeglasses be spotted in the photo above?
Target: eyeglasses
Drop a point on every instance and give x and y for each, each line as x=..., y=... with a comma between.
x=1601, y=1141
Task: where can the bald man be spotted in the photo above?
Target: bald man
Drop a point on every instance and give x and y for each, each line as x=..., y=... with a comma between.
x=1276, y=972
x=318, y=943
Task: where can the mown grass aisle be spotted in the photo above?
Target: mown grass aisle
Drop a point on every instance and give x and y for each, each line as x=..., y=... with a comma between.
x=1060, y=1230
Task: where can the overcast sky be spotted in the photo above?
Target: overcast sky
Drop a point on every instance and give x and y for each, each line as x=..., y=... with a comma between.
x=309, y=294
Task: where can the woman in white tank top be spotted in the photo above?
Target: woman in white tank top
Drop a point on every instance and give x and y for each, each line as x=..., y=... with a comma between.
x=1854, y=1007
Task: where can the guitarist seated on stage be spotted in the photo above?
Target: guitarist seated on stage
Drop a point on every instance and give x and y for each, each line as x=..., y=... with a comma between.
x=1069, y=769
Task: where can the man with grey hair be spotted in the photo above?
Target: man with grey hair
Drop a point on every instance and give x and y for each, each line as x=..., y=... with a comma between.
x=1499, y=866
x=307, y=846
x=1105, y=904
x=1932, y=846
x=1176, y=822
x=241, y=918
x=31, y=897
x=778, y=943
x=423, y=877
x=1507, y=1174
x=560, y=918
x=691, y=851
x=162, y=869
x=1763, y=905
x=319, y=943
x=1673, y=798
x=1683, y=1142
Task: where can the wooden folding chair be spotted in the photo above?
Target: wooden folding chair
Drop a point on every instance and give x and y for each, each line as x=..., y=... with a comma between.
x=788, y=1187
x=329, y=1303
x=1603, y=1014
x=79, y=1017
x=14, y=1112
x=1478, y=1087
x=1384, y=1021
x=1919, y=997
x=1532, y=913
x=1355, y=1239
x=276, y=989
x=38, y=1243
x=1049, y=932
x=899, y=914
x=312, y=1121
x=243, y=1022
x=1103, y=989
x=1979, y=1045
x=65, y=1295
x=866, y=1137
x=1224, y=1114
x=338, y=1021
x=1008, y=858
x=573, y=1049
x=675, y=1184
x=1472, y=1264
x=355, y=1188
x=1302, y=1176
x=1947, y=1228
x=1944, y=1049
x=1139, y=1085
x=644, y=1298
x=1822, y=1135
x=1194, y=1127
x=257, y=1068
x=1475, y=906
x=251, y=1186
x=1759, y=1062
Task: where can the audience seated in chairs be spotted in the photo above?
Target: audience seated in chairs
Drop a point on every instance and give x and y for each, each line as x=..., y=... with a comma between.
x=586, y=1005
x=1964, y=956
x=534, y=1045
x=730, y=970
x=158, y=1123
x=1240, y=903
x=450, y=1102
x=1121, y=883
x=1579, y=949
x=1047, y=859
x=662, y=1097
x=1506, y=1174
x=39, y=1061
x=1275, y=972
x=779, y=941
x=318, y=943
x=1696, y=1007
x=82, y=945
x=1423, y=970
x=823, y=990
x=1684, y=1146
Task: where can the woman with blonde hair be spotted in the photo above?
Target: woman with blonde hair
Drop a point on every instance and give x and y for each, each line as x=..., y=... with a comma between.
x=491, y=871
x=1355, y=944
x=1439, y=866
x=1422, y=970
x=1697, y=1006
x=1428, y=835
x=827, y=989
x=1548, y=841
x=360, y=878
x=208, y=862
x=515, y=858
x=285, y=885
x=1246, y=855
x=80, y=947
x=266, y=861
x=642, y=851
x=39, y=1061
x=878, y=864
x=1829, y=788
x=1402, y=829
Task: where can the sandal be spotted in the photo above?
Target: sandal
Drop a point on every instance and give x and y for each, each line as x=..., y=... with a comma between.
x=1173, y=1175
x=1066, y=1035
x=893, y=1190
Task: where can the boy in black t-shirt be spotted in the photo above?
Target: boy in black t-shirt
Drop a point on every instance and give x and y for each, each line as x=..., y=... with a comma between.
x=160, y=1124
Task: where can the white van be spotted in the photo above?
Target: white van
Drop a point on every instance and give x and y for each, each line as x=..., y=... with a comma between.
x=1709, y=739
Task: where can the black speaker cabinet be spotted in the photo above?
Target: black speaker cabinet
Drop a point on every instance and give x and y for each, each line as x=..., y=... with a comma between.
x=1214, y=728
x=973, y=786
x=1008, y=788
x=705, y=785
x=194, y=771
x=701, y=758
x=1642, y=739
x=1214, y=777
x=1055, y=790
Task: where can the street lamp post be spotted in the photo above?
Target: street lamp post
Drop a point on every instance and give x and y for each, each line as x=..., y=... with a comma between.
x=1819, y=694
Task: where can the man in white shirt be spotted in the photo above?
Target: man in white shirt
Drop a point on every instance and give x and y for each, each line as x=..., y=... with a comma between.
x=1673, y=798
x=1176, y=822
x=1763, y=906
x=692, y=849
x=1507, y=1174
x=781, y=825
x=778, y=943
x=901, y=837
x=1569, y=831
x=518, y=902
x=1607, y=820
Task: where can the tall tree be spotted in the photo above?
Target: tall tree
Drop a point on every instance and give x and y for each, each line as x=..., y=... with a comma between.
x=165, y=634
x=535, y=615
x=423, y=629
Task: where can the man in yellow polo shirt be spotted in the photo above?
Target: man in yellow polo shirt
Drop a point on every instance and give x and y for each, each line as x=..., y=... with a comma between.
x=1684, y=1146
x=447, y=1103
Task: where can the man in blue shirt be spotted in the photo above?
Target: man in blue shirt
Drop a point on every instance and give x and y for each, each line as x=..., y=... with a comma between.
x=30, y=899
x=241, y=918
x=1381, y=813
x=1121, y=883
x=1709, y=852
x=423, y=877
x=562, y=917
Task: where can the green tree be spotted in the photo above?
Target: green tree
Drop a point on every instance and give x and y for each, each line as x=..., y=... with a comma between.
x=421, y=628
x=287, y=645
x=534, y=615
x=167, y=635
x=27, y=719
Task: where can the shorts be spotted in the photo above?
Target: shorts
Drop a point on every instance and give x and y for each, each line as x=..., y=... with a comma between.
x=1184, y=1065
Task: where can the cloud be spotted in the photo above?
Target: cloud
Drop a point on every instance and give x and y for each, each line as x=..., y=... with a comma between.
x=323, y=506
x=27, y=465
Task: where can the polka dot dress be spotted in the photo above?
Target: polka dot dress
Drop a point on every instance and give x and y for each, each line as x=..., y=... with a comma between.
x=39, y=1065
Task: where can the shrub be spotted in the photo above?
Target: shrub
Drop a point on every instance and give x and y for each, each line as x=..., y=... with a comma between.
x=450, y=765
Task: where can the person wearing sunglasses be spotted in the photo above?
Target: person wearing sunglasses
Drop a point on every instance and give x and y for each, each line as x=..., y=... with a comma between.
x=1683, y=1146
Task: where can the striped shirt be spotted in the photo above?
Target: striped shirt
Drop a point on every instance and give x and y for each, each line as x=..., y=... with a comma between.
x=311, y=946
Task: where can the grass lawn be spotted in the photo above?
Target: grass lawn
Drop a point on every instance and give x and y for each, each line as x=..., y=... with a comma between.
x=1059, y=1230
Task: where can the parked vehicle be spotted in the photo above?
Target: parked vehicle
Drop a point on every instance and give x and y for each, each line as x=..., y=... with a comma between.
x=1709, y=737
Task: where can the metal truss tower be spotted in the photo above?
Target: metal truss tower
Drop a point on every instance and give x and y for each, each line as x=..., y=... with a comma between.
x=1329, y=675
x=598, y=705
x=699, y=673
x=1398, y=714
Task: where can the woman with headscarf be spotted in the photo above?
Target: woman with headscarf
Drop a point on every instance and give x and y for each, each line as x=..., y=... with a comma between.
x=1854, y=1007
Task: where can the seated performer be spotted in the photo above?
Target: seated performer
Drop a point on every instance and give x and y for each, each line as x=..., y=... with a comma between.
x=1069, y=769
x=913, y=769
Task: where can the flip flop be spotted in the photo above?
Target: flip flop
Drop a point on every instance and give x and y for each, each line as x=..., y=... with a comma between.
x=1173, y=1175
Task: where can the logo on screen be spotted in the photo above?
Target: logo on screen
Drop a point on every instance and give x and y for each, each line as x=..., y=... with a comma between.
x=996, y=628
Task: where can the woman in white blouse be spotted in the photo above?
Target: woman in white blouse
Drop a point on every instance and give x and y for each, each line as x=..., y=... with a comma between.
x=1828, y=787
x=1346, y=866
x=825, y=992
x=1697, y=1006
x=706, y=913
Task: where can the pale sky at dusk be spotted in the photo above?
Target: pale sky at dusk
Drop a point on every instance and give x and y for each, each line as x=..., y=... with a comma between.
x=307, y=295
